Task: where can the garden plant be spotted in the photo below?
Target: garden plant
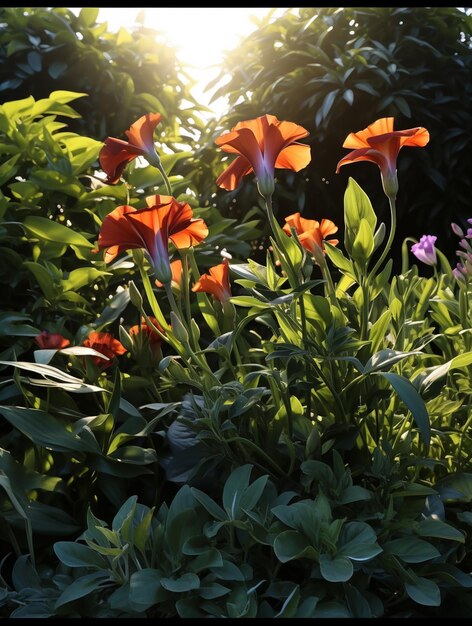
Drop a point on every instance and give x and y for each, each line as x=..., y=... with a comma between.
x=188, y=432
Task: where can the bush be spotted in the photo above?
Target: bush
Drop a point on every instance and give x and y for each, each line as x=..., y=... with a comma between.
x=287, y=439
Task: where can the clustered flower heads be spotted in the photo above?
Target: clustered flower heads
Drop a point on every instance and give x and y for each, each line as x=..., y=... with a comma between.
x=463, y=270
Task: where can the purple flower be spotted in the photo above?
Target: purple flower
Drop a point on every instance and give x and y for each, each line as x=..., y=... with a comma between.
x=424, y=250
x=457, y=230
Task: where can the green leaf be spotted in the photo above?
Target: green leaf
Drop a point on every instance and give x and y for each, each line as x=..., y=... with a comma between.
x=379, y=329
x=145, y=588
x=412, y=400
x=338, y=569
x=384, y=359
x=88, y=16
x=8, y=169
x=357, y=207
x=82, y=276
x=289, y=607
x=290, y=545
x=210, y=505
x=440, y=372
x=439, y=529
x=340, y=261
x=186, y=582
x=411, y=549
x=424, y=591
x=77, y=555
x=52, y=231
x=363, y=244
x=56, y=68
x=82, y=587
x=46, y=431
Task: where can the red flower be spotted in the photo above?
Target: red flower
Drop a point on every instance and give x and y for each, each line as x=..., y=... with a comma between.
x=150, y=335
x=126, y=228
x=51, y=341
x=216, y=282
x=116, y=153
x=311, y=232
x=106, y=344
x=380, y=144
x=262, y=145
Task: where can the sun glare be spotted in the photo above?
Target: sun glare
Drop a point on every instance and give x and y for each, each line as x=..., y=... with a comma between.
x=200, y=35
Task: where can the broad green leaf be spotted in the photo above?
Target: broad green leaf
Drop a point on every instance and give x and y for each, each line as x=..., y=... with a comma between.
x=186, y=582
x=8, y=169
x=440, y=372
x=210, y=505
x=384, y=359
x=338, y=569
x=424, y=591
x=82, y=276
x=441, y=530
x=145, y=588
x=77, y=555
x=412, y=400
x=411, y=549
x=82, y=587
x=52, y=231
x=290, y=545
x=46, y=431
x=357, y=207
x=363, y=244
x=339, y=260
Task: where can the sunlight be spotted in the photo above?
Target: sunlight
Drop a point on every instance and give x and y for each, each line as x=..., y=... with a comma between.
x=200, y=35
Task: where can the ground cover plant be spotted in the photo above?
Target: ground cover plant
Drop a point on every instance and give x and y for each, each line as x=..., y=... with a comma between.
x=188, y=432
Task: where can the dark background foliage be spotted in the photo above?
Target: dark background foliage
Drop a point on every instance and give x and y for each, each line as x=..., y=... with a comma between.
x=336, y=70
x=125, y=74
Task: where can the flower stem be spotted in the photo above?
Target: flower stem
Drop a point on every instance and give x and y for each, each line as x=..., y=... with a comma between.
x=391, y=236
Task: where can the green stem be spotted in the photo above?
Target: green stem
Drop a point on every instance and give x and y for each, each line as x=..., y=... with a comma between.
x=164, y=176
x=391, y=236
x=292, y=278
x=364, y=309
x=186, y=297
x=156, y=309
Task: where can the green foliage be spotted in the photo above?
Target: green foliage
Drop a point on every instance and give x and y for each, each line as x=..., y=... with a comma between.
x=296, y=447
x=43, y=49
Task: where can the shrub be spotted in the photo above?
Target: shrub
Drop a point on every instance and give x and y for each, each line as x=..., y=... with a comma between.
x=287, y=439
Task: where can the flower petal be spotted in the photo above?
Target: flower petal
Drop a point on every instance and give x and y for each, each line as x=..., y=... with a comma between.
x=141, y=132
x=194, y=233
x=114, y=156
x=363, y=154
x=359, y=139
x=230, y=178
x=294, y=157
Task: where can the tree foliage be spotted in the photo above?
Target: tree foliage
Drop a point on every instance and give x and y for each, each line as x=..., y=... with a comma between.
x=336, y=70
x=124, y=74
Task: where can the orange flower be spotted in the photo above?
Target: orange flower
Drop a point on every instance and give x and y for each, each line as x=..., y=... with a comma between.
x=126, y=228
x=176, y=270
x=262, y=145
x=116, y=153
x=311, y=232
x=380, y=144
x=107, y=345
x=51, y=341
x=149, y=333
x=216, y=282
